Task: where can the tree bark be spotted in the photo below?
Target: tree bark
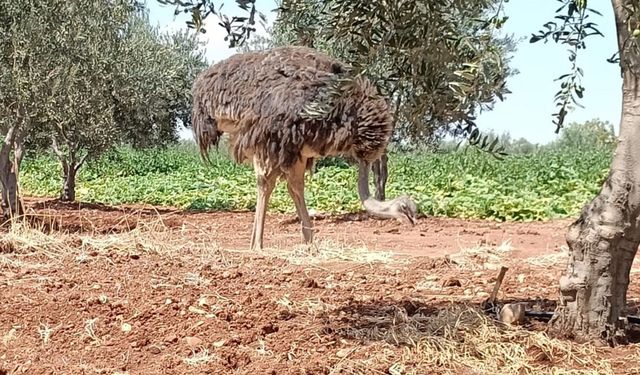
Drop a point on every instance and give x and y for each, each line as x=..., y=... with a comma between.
x=69, y=186
x=11, y=203
x=70, y=166
x=604, y=240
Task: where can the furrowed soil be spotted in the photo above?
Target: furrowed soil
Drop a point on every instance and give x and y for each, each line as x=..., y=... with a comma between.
x=91, y=289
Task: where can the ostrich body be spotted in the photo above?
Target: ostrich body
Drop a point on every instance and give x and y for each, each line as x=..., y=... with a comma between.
x=258, y=98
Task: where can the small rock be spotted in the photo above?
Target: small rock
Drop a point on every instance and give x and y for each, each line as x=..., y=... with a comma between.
x=269, y=328
x=512, y=313
x=218, y=344
x=342, y=353
x=171, y=338
x=154, y=350
x=134, y=256
x=468, y=292
x=126, y=327
x=134, y=344
x=310, y=283
x=226, y=274
x=451, y=282
x=491, y=266
x=287, y=272
x=193, y=342
x=521, y=278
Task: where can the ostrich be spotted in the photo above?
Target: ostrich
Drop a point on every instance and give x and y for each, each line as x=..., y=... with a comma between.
x=258, y=98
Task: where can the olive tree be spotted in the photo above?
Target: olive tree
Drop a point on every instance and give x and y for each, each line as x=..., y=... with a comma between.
x=604, y=240
x=81, y=122
x=452, y=68
x=86, y=76
x=27, y=94
x=152, y=86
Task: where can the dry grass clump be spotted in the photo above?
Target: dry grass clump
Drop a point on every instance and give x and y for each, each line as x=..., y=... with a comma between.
x=462, y=340
x=482, y=256
x=28, y=245
x=559, y=258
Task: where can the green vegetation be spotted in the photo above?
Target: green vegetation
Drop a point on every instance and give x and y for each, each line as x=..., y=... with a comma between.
x=552, y=182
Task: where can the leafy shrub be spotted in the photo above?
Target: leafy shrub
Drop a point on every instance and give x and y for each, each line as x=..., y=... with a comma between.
x=552, y=183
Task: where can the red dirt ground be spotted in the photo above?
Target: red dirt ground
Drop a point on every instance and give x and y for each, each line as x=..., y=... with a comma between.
x=99, y=310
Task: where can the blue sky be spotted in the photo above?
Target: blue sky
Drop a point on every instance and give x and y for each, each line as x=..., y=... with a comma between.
x=527, y=111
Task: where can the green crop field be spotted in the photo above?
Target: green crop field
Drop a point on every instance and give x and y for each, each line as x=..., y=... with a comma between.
x=471, y=184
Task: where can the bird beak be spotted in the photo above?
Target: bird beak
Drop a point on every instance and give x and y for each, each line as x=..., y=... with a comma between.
x=410, y=216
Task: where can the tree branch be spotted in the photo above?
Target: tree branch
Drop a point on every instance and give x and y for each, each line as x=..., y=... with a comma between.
x=81, y=162
x=56, y=148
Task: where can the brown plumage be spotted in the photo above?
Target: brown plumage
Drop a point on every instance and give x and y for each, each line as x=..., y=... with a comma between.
x=259, y=97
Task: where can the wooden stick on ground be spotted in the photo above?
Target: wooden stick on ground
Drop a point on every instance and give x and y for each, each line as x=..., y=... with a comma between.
x=496, y=287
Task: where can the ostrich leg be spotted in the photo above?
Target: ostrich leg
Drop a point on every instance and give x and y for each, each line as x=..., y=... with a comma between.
x=380, y=172
x=295, y=185
x=266, y=180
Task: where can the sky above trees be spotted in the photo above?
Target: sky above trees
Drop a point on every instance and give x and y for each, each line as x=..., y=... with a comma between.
x=527, y=111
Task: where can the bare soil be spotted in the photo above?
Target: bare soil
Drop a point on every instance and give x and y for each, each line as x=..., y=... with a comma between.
x=140, y=290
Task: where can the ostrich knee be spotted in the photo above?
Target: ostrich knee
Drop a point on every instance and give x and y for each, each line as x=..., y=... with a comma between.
x=295, y=185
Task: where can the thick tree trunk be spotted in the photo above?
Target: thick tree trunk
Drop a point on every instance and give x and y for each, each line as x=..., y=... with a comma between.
x=604, y=240
x=69, y=186
x=9, y=169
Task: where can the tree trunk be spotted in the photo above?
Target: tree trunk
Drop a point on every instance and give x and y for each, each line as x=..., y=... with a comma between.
x=11, y=202
x=70, y=166
x=604, y=240
x=69, y=186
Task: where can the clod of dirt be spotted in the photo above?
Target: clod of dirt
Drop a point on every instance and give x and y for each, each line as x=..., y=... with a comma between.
x=310, y=283
x=269, y=328
x=171, y=339
x=343, y=353
x=231, y=274
x=451, y=282
x=236, y=360
x=193, y=342
x=155, y=350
